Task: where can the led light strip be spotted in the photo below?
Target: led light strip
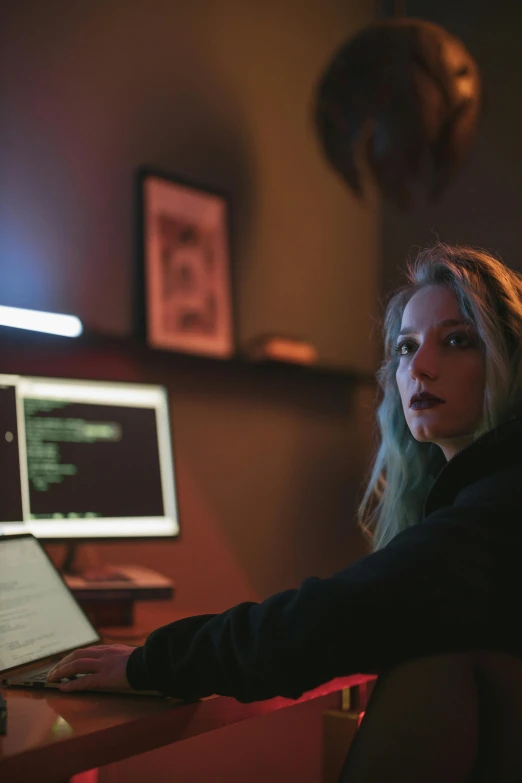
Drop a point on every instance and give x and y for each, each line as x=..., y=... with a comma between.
x=39, y=321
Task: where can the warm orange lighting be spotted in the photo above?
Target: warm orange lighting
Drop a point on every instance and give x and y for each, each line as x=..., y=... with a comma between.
x=282, y=349
x=361, y=716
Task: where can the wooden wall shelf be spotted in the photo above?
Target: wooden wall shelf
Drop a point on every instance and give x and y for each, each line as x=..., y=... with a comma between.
x=21, y=351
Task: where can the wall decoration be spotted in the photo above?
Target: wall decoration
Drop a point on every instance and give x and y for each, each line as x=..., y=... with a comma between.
x=404, y=97
x=186, y=267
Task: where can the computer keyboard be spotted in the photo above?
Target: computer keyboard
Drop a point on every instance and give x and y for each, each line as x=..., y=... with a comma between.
x=42, y=677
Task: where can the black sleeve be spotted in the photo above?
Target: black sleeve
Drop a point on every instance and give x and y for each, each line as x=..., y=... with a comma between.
x=429, y=590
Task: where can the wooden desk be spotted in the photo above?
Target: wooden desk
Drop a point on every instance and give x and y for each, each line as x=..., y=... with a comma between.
x=52, y=736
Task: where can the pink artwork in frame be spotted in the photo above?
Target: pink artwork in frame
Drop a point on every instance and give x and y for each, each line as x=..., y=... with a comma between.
x=188, y=298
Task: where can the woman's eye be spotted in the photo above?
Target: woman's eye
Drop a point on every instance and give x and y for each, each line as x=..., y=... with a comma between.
x=462, y=339
x=403, y=348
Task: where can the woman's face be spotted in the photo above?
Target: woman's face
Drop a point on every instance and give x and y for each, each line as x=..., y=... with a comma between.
x=441, y=355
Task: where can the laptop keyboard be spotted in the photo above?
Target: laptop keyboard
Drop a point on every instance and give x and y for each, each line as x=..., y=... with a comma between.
x=40, y=677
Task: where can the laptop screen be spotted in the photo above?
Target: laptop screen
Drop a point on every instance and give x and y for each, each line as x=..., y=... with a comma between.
x=38, y=614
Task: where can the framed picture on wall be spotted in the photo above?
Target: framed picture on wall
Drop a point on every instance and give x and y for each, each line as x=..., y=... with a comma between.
x=185, y=267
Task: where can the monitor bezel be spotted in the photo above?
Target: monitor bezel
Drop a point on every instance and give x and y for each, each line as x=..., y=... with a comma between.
x=78, y=540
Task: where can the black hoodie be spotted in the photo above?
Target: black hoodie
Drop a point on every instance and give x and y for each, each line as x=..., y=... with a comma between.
x=450, y=583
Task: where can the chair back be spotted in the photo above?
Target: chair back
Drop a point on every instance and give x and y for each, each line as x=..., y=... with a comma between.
x=442, y=719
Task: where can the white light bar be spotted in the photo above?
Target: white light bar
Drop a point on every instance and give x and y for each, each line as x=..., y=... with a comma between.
x=38, y=321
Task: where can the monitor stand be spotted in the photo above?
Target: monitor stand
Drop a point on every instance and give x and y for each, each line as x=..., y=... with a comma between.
x=94, y=571
x=107, y=593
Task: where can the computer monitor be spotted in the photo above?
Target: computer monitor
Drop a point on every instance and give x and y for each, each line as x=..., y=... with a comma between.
x=85, y=459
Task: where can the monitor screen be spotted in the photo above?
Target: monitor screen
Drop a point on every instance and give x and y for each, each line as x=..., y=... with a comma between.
x=85, y=459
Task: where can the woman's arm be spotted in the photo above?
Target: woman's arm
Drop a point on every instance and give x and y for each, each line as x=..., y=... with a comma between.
x=430, y=590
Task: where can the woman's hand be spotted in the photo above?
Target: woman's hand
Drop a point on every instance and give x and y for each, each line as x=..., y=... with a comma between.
x=103, y=666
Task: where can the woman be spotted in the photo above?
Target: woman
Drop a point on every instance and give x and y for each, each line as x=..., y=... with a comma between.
x=442, y=509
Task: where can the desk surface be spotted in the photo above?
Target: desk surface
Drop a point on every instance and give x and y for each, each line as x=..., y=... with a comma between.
x=57, y=735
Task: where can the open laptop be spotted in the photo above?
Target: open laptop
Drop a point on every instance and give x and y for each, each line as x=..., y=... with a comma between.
x=40, y=620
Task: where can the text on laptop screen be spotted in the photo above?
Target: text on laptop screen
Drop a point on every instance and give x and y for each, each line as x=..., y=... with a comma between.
x=85, y=459
x=38, y=615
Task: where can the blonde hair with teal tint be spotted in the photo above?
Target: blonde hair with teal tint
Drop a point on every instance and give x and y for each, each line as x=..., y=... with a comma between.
x=490, y=297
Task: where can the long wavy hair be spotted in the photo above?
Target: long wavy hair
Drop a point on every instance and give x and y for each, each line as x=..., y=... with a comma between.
x=490, y=297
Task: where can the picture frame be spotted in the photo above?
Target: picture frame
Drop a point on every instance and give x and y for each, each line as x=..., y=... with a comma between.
x=185, y=274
